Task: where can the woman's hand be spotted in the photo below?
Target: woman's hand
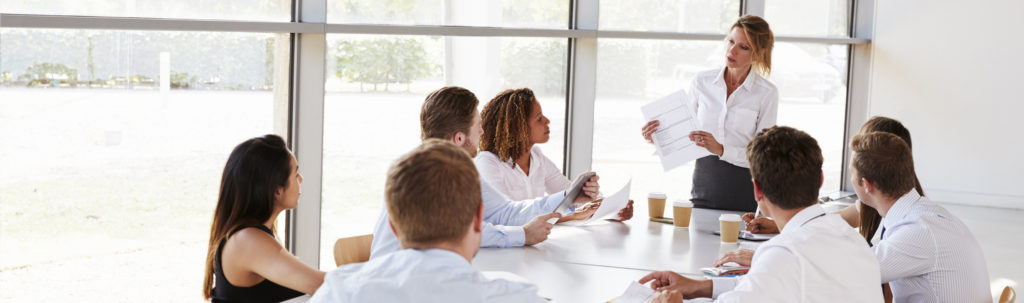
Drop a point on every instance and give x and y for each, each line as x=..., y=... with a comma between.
x=649, y=130
x=625, y=213
x=582, y=212
x=707, y=141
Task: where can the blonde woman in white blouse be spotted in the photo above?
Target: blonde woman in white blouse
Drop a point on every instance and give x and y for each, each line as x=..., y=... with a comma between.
x=732, y=105
x=509, y=159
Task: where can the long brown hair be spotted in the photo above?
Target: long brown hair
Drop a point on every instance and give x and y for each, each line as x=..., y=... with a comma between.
x=505, y=122
x=254, y=171
x=869, y=217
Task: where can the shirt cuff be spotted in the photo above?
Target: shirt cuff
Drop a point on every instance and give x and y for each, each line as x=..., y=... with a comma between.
x=722, y=285
x=502, y=236
x=553, y=200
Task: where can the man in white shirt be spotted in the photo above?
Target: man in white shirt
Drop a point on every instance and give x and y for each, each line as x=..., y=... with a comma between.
x=433, y=196
x=817, y=257
x=450, y=113
x=926, y=254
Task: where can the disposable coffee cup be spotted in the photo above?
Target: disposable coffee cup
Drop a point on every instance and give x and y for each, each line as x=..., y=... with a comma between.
x=681, y=210
x=656, y=204
x=730, y=227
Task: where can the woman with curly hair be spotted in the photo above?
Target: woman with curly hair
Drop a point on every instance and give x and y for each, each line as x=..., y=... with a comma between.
x=513, y=124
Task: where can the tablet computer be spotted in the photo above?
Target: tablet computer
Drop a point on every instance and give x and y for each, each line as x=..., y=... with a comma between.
x=574, y=191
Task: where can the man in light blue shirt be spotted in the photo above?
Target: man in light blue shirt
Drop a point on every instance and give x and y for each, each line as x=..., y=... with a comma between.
x=450, y=114
x=925, y=253
x=434, y=199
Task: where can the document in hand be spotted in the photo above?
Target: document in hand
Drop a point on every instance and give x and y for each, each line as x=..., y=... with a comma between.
x=672, y=140
x=610, y=206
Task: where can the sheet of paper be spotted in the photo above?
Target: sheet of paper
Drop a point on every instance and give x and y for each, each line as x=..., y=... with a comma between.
x=636, y=293
x=672, y=140
x=610, y=206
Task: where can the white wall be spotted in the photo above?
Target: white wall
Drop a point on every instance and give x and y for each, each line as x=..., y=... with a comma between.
x=952, y=72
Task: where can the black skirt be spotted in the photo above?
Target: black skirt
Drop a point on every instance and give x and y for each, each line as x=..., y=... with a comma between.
x=720, y=185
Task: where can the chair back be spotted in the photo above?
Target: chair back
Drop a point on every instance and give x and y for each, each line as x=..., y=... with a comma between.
x=354, y=249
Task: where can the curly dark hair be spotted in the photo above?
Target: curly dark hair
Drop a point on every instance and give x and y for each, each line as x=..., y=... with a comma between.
x=505, y=123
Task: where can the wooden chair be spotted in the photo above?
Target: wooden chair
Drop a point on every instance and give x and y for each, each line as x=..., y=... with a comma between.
x=1008, y=295
x=352, y=249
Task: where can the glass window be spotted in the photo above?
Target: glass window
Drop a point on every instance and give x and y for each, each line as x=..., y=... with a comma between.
x=373, y=99
x=114, y=144
x=504, y=13
x=690, y=16
x=631, y=73
x=829, y=18
x=252, y=10
x=811, y=79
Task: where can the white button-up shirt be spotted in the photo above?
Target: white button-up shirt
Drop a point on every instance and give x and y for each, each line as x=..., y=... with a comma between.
x=503, y=220
x=734, y=120
x=928, y=255
x=410, y=275
x=508, y=177
x=817, y=257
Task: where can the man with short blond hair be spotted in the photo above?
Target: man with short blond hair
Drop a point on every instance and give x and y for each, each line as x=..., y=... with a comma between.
x=433, y=198
x=451, y=114
x=925, y=253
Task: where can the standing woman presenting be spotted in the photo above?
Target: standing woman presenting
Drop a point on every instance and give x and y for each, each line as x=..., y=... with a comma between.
x=732, y=104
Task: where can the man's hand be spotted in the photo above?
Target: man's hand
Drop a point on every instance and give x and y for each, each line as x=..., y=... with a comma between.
x=589, y=192
x=743, y=257
x=582, y=212
x=670, y=296
x=625, y=213
x=760, y=225
x=537, y=230
x=669, y=281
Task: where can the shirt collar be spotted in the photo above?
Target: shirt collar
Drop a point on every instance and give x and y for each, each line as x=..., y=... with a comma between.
x=901, y=208
x=805, y=215
x=444, y=256
x=747, y=83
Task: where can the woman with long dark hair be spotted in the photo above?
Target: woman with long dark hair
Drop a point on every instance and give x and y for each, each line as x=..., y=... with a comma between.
x=245, y=262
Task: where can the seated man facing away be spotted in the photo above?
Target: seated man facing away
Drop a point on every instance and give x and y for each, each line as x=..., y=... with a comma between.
x=436, y=211
x=925, y=253
x=450, y=114
x=817, y=257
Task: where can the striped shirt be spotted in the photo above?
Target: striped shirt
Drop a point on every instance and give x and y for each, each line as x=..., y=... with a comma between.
x=928, y=255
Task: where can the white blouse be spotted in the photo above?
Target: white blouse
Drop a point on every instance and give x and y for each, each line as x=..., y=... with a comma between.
x=509, y=179
x=734, y=120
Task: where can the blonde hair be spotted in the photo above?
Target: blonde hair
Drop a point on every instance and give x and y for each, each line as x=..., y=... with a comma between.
x=761, y=39
x=432, y=193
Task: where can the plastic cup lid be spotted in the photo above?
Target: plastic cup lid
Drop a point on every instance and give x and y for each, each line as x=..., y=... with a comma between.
x=657, y=195
x=730, y=217
x=682, y=203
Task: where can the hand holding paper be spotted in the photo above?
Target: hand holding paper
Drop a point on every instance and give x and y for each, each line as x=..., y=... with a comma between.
x=672, y=138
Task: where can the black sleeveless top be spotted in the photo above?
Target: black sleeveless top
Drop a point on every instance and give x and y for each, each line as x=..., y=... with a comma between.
x=265, y=291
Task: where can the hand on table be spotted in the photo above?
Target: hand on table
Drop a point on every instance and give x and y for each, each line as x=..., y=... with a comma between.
x=670, y=281
x=537, y=230
x=582, y=212
x=707, y=141
x=743, y=257
x=760, y=225
x=670, y=296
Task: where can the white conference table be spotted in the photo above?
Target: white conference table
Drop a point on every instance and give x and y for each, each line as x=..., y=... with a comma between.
x=595, y=263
